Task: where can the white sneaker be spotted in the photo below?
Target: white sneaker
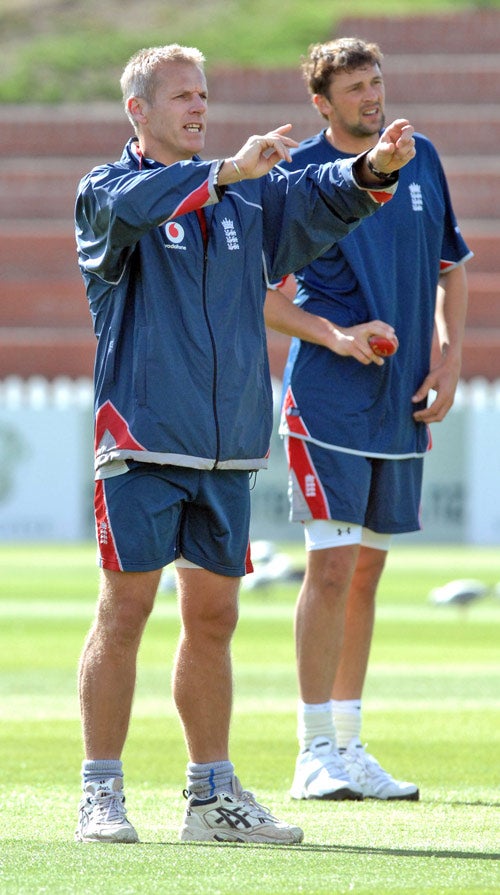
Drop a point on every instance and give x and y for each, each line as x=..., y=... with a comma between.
x=102, y=815
x=320, y=773
x=234, y=817
x=375, y=783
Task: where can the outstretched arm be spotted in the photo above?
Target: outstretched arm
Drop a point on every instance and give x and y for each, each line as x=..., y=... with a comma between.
x=260, y=153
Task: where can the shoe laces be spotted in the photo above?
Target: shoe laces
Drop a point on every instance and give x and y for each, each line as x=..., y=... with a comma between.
x=241, y=795
x=109, y=806
x=333, y=763
x=369, y=764
x=248, y=798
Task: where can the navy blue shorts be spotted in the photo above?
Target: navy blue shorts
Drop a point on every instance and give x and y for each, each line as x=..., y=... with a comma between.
x=382, y=495
x=153, y=514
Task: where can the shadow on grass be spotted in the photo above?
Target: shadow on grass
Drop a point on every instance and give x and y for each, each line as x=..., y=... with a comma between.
x=407, y=852
x=476, y=804
x=348, y=849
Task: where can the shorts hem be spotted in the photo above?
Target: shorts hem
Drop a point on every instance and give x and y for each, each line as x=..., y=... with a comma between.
x=216, y=568
x=407, y=529
x=115, y=566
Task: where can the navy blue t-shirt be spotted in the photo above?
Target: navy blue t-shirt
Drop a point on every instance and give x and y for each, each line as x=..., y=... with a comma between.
x=386, y=269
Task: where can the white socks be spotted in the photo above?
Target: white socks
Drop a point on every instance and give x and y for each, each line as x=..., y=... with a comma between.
x=100, y=771
x=314, y=720
x=206, y=780
x=338, y=719
x=347, y=720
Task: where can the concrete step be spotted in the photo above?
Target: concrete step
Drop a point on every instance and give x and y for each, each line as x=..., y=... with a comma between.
x=46, y=302
x=42, y=188
x=481, y=354
x=441, y=78
x=65, y=130
x=447, y=80
x=484, y=299
x=30, y=253
x=69, y=132
x=45, y=188
x=67, y=349
x=61, y=303
x=474, y=184
x=483, y=238
x=474, y=30
x=454, y=132
x=442, y=72
x=99, y=134
x=46, y=352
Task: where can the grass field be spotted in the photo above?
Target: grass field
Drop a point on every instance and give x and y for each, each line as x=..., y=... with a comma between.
x=58, y=51
x=431, y=714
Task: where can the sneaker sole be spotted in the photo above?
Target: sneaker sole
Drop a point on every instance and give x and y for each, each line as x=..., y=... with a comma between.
x=85, y=839
x=233, y=837
x=338, y=795
x=408, y=797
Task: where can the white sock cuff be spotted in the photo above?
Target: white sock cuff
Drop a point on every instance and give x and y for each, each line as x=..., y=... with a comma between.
x=314, y=719
x=347, y=719
x=346, y=706
x=310, y=707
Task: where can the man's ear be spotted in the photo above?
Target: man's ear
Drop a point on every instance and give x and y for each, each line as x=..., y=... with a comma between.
x=322, y=104
x=136, y=108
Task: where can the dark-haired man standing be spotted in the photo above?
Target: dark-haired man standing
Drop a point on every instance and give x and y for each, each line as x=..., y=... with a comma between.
x=357, y=428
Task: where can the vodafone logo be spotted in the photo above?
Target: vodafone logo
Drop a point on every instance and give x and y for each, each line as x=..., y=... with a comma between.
x=174, y=232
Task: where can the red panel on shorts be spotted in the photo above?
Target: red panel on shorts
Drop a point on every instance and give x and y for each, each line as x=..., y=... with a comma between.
x=248, y=561
x=105, y=539
x=299, y=460
x=291, y=412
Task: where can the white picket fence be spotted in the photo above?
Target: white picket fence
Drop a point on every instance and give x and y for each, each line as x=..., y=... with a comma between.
x=46, y=483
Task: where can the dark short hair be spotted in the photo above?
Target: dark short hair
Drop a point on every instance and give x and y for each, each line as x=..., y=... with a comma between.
x=326, y=59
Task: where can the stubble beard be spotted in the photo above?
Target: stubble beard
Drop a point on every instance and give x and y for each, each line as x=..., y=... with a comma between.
x=361, y=130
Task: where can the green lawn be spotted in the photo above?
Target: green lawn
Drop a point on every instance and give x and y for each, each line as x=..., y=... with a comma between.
x=62, y=51
x=431, y=714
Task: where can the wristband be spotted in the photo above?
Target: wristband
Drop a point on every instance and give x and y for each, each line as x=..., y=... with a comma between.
x=382, y=175
x=216, y=173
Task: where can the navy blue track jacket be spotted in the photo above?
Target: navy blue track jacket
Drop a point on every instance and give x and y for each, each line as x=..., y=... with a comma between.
x=181, y=373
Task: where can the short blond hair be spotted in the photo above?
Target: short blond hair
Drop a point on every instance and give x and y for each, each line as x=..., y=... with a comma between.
x=139, y=75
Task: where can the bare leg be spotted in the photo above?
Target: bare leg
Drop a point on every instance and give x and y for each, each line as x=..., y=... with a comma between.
x=108, y=663
x=202, y=676
x=358, y=628
x=362, y=768
x=319, y=619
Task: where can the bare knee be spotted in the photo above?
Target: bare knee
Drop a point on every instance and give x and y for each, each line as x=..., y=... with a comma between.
x=330, y=571
x=369, y=568
x=125, y=603
x=209, y=605
x=214, y=622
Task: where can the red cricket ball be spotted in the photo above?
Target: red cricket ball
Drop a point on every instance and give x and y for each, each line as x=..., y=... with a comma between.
x=381, y=346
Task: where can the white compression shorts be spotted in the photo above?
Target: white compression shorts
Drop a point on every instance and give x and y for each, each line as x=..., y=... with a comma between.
x=323, y=533
x=183, y=563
